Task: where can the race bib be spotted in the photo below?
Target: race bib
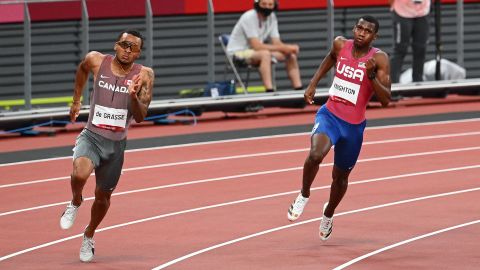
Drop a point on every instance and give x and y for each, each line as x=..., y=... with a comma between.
x=109, y=118
x=344, y=91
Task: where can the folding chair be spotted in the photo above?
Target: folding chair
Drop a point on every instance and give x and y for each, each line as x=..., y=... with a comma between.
x=234, y=63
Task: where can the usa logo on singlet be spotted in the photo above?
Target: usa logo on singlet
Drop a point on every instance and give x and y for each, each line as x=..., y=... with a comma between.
x=350, y=72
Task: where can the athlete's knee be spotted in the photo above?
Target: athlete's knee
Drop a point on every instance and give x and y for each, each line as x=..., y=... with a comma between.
x=102, y=193
x=79, y=175
x=340, y=177
x=102, y=197
x=315, y=157
x=82, y=168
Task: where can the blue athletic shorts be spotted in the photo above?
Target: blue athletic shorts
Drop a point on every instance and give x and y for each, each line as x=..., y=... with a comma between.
x=347, y=138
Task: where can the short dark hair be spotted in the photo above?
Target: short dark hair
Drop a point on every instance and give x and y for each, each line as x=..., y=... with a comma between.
x=132, y=32
x=370, y=19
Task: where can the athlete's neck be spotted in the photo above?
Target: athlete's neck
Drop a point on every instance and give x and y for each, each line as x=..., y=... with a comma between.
x=358, y=52
x=125, y=68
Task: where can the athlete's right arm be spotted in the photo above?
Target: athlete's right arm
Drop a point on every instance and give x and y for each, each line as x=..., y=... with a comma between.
x=91, y=62
x=327, y=63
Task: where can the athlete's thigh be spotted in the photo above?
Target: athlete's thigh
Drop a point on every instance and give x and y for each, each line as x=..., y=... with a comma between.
x=83, y=167
x=110, y=169
x=85, y=154
x=320, y=144
x=325, y=132
x=348, y=146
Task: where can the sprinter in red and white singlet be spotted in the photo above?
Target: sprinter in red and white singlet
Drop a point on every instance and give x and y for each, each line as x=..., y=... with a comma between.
x=360, y=72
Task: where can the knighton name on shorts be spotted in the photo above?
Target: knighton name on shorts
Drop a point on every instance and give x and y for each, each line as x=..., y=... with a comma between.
x=350, y=72
x=114, y=88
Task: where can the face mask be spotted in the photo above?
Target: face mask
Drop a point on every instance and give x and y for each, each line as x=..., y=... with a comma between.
x=265, y=11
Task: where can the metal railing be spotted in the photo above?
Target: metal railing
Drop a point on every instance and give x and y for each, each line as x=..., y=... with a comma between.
x=85, y=19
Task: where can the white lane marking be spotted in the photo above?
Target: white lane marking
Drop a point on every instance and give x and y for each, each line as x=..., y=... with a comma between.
x=349, y=263
x=244, y=175
x=35, y=182
x=247, y=156
x=187, y=256
x=248, y=139
x=256, y=173
x=221, y=205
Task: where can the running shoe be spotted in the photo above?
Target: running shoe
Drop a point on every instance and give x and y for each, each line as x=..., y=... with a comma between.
x=296, y=208
x=87, y=250
x=68, y=217
x=326, y=225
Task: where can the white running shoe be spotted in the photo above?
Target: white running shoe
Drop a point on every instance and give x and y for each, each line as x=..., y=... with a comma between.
x=68, y=217
x=326, y=225
x=296, y=208
x=87, y=250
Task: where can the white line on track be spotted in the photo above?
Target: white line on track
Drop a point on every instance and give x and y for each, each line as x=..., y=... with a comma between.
x=349, y=263
x=247, y=175
x=177, y=260
x=236, y=202
x=248, y=139
x=451, y=135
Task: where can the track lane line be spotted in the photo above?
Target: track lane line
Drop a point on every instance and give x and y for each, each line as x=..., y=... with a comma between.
x=251, y=138
x=234, y=203
x=223, y=178
x=349, y=263
x=451, y=135
x=198, y=252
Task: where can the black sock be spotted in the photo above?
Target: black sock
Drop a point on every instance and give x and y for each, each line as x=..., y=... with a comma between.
x=298, y=88
x=268, y=90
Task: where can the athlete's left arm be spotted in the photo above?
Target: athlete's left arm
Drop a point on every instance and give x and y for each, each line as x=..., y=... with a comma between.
x=379, y=67
x=141, y=93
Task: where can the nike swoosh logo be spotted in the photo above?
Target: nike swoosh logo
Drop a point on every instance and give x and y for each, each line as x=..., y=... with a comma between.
x=104, y=77
x=342, y=58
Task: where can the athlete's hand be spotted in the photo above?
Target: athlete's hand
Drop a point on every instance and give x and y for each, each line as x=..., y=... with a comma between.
x=370, y=66
x=74, y=111
x=135, y=87
x=309, y=94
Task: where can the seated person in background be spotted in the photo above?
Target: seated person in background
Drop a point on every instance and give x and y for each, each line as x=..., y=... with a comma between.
x=247, y=42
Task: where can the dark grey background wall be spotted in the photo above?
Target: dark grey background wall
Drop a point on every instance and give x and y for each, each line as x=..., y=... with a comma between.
x=180, y=47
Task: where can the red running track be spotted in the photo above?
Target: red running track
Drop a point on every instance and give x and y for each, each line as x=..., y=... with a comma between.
x=412, y=203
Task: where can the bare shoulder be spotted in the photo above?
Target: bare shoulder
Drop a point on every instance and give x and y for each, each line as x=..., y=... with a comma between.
x=381, y=57
x=147, y=72
x=381, y=54
x=94, y=59
x=341, y=39
x=338, y=43
x=94, y=56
